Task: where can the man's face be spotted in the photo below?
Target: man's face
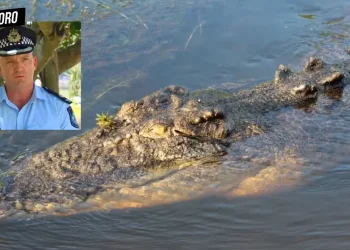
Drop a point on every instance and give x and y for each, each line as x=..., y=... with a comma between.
x=18, y=70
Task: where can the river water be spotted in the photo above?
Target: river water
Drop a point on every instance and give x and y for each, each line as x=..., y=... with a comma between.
x=285, y=189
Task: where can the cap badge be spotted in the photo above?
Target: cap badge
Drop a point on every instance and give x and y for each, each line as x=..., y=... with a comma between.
x=13, y=36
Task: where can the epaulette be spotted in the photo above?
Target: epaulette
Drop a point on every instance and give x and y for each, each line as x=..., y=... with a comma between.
x=57, y=95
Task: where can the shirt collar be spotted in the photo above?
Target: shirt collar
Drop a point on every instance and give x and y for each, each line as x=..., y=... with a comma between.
x=37, y=93
x=3, y=95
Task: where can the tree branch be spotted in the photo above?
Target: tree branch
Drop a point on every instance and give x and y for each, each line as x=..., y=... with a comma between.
x=50, y=36
x=49, y=75
x=68, y=57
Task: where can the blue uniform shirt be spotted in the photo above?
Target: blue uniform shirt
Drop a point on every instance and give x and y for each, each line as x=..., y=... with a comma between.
x=44, y=111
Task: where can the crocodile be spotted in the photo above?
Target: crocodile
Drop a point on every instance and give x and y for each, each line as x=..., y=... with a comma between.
x=169, y=126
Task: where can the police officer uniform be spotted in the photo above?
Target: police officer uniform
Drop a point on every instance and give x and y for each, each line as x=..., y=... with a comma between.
x=46, y=110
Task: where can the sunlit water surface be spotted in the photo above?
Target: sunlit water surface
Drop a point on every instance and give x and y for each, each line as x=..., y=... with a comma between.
x=285, y=189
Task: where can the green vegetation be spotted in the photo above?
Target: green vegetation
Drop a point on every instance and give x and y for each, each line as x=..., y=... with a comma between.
x=77, y=112
x=105, y=121
x=74, y=90
x=307, y=16
x=74, y=34
x=75, y=81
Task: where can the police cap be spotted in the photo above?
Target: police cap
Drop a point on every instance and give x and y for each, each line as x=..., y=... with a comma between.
x=16, y=40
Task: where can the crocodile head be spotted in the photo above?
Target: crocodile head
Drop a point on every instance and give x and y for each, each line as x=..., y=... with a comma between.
x=162, y=129
x=172, y=125
x=165, y=126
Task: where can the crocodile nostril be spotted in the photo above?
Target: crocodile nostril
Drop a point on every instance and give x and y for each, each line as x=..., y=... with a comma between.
x=219, y=114
x=332, y=79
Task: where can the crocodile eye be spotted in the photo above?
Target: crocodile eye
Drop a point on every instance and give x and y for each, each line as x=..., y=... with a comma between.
x=159, y=129
x=156, y=131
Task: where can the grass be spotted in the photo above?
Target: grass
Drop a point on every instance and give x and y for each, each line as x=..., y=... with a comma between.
x=307, y=16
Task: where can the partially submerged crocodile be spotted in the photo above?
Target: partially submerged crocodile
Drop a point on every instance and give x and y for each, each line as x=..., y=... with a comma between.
x=162, y=129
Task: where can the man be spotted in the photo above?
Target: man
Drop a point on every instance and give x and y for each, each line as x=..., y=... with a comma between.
x=23, y=104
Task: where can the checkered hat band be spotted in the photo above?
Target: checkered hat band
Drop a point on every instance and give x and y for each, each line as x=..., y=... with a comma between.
x=24, y=41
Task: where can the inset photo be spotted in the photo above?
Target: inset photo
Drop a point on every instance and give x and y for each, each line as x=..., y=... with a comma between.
x=40, y=76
